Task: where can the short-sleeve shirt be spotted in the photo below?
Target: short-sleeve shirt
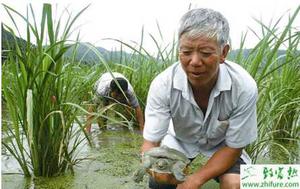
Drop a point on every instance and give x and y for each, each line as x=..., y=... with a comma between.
x=102, y=88
x=173, y=116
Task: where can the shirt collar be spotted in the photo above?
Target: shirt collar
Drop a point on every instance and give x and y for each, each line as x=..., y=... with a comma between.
x=180, y=81
x=224, y=80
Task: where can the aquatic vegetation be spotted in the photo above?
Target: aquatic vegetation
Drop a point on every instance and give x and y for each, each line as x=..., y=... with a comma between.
x=278, y=78
x=37, y=92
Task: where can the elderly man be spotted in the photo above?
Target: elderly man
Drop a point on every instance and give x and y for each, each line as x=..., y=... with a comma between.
x=203, y=103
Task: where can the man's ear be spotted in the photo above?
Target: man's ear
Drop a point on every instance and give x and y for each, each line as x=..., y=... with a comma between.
x=224, y=53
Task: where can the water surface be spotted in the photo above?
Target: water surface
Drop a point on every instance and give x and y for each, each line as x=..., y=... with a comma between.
x=108, y=165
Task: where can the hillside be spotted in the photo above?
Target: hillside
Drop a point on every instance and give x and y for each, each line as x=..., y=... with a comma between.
x=7, y=42
x=83, y=51
x=85, y=54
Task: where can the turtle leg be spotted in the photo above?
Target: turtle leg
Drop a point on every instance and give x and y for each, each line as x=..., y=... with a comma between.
x=138, y=175
x=147, y=161
x=178, y=171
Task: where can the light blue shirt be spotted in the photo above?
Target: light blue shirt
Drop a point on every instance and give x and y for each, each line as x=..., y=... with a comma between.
x=173, y=116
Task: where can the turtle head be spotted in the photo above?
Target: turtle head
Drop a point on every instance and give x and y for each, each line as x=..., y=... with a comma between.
x=162, y=164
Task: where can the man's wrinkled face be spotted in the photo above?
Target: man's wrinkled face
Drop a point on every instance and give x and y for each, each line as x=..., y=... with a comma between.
x=200, y=58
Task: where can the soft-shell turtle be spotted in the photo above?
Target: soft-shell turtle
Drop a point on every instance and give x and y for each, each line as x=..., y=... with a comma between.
x=165, y=165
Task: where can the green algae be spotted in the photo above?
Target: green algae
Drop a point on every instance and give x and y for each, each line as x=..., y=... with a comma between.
x=108, y=166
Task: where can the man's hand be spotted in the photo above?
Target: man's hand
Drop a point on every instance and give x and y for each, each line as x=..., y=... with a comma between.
x=147, y=145
x=192, y=182
x=221, y=160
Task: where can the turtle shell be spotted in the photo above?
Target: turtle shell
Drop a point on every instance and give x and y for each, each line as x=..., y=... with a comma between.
x=165, y=178
x=166, y=152
x=166, y=165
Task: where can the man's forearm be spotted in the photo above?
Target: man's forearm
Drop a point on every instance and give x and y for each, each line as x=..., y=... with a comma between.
x=221, y=161
x=140, y=117
x=90, y=117
x=147, y=145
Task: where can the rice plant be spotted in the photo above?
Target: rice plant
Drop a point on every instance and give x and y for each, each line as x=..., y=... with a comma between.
x=141, y=66
x=278, y=77
x=38, y=86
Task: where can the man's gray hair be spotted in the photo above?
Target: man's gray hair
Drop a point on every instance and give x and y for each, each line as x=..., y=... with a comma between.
x=204, y=22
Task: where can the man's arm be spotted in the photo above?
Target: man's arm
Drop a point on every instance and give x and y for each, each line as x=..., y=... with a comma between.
x=221, y=161
x=139, y=117
x=147, y=145
x=89, y=119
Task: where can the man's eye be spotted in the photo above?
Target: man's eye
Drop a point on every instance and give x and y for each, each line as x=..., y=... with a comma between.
x=206, y=54
x=186, y=53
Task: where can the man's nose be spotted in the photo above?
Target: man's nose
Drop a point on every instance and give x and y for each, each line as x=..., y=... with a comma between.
x=196, y=59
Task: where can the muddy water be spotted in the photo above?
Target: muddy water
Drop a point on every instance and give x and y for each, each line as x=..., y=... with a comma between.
x=107, y=165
